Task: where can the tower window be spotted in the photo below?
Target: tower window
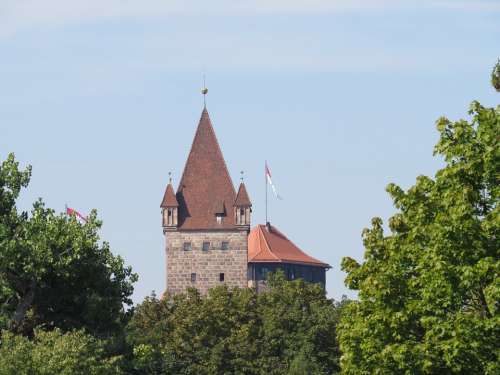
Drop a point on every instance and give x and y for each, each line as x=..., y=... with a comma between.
x=221, y=277
x=187, y=246
x=224, y=245
x=193, y=277
x=206, y=246
x=218, y=217
x=242, y=211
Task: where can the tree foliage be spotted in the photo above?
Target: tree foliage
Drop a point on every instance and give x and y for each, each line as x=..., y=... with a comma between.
x=495, y=76
x=288, y=330
x=49, y=353
x=53, y=270
x=429, y=292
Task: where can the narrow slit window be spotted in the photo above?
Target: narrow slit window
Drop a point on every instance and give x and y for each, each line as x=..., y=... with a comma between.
x=193, y=277
x=221, y=277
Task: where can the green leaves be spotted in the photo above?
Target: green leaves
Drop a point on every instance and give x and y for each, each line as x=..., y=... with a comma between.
x=495, y=76
x=429, y=291
x=11, y=182
x=289, y=329
x=48, y=353
x=54, y=271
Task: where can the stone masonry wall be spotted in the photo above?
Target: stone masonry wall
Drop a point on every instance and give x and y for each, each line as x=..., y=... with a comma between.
x=207, y=265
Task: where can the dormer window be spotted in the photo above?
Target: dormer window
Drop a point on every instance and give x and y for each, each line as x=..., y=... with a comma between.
x=219, y=217
x=219, y=211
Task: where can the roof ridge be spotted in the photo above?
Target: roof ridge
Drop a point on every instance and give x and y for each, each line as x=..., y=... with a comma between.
x=267, y=242
x=268, y=247
x=191, y=149
x=228, y=175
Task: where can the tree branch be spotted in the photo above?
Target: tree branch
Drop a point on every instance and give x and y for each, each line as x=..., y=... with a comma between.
x=23, y=306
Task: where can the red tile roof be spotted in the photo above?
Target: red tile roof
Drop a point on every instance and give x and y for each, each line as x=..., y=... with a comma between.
x=242, y=198
x=205, y=188
x=169, y=199
x=271, y=246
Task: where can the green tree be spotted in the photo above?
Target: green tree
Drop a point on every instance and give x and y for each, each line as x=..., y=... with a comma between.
x=188, y=334
x=49, y=353
x=298, y=328
x=429, y=292
x=289, y=329
x=53, y=270
x=495, y=76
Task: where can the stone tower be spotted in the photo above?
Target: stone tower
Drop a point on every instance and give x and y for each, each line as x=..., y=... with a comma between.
x=206, y=224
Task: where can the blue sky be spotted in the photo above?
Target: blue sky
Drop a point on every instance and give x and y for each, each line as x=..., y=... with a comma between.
x=341, y=97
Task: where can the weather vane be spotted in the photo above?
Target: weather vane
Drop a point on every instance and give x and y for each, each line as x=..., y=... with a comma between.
x=170, y=177
x=242, y=175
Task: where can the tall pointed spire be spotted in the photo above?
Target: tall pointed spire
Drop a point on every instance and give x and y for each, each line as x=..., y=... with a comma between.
x=206, y=185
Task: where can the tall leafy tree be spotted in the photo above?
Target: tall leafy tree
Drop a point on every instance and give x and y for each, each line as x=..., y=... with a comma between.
x=429, y=292
x=54, y=271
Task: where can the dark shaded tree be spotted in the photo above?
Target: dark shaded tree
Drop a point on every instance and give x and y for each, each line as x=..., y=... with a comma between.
x=289, y=329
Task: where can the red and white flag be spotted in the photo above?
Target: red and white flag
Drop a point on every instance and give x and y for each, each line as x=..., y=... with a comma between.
x=73, y=212
x=270, y=182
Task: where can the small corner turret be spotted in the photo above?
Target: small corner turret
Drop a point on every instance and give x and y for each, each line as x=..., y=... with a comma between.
x=242, y=208
x=169, y=209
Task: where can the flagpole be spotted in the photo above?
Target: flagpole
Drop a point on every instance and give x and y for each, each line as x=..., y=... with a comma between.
x=265, y=180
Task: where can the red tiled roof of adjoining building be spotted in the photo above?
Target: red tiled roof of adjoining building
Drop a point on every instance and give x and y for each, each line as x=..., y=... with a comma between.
x=169, y=199
x=206, y=185
x=242, y=198
x=269, y=245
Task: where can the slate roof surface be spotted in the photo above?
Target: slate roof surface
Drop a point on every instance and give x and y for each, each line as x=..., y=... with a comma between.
x=272, y=246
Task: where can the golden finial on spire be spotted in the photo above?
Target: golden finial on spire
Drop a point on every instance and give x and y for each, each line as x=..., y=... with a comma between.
x=204, y=91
